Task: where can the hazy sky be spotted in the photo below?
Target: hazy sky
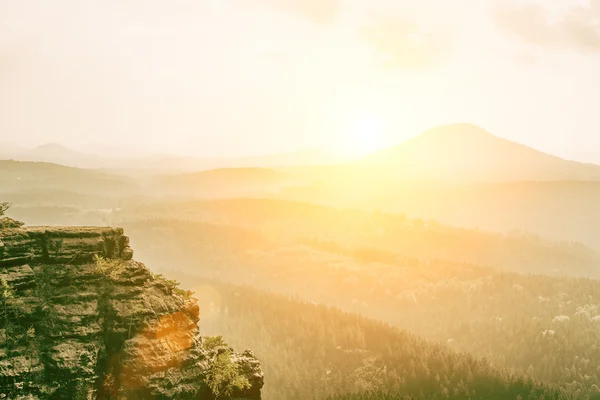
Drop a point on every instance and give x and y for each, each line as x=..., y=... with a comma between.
x=231, y=77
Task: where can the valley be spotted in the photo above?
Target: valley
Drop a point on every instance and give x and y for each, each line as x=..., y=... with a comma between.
x=424, y=289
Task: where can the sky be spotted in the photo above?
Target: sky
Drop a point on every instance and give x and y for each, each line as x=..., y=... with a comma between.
x=219, y=78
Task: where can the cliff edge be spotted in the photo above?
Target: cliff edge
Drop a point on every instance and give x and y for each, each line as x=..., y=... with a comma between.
x=80, y=319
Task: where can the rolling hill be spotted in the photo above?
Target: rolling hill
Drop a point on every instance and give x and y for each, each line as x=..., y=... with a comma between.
x=126, y=160
x=562, y=210
x=383, y=236
x=464, y=176
x=225, y=182
x=544, y=326
x=21, y=175
x=465, y=152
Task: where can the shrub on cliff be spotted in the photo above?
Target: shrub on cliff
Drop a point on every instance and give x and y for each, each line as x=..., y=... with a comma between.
x=4, y=206
x=224, y=378
x=110, y=268
x=6, y=222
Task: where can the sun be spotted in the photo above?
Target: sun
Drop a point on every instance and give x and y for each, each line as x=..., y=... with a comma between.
x=360, y=118
x=362, y=134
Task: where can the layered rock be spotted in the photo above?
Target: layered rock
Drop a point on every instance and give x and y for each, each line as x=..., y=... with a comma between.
x=62, y=245
x=79, y=319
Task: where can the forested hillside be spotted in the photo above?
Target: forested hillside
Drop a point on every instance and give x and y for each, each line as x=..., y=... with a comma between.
x=312, y=352
x=347, y=230
x=468, y=290
x=372, y=197
x=547, y=327
x=562, y=210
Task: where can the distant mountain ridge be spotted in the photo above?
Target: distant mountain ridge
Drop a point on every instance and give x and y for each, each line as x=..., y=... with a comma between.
x=454, y=152
x=24, y=175
x=60, y=154
x=225, y=182
x=465, y=152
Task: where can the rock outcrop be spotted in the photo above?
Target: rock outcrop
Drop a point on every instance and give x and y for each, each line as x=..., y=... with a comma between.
x=80, y=319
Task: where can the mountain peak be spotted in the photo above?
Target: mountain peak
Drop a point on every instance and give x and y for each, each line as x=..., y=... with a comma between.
x=52, y=147
x=467, y=152
x=458, y=132
x=54, y=150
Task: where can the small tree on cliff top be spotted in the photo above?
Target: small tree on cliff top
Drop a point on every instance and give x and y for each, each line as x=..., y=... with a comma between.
x=6, y=222
x=3, y=207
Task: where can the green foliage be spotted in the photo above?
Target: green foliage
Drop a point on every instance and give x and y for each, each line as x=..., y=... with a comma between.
x=6, y=222
x=387, y=268
x=213, y=342
x=224, y=377
x=507, y=318
x=6, y=294
x=186, y=294
x=310, y=352
x=6, y=291
x=78, y=389
x=595, y=394
x=4, y=206
x=173, y=285
x=109, y=268
x=10, y=314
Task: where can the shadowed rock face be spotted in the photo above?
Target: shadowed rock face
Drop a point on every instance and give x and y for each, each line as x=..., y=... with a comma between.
x=72, y=327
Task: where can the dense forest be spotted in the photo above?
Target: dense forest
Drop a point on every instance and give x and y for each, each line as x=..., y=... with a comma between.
x=459, y=288
x=553, y=337
x=311, y=352
x=299, y=200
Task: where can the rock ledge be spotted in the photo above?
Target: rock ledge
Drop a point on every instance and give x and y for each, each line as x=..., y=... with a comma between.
x=80, y=319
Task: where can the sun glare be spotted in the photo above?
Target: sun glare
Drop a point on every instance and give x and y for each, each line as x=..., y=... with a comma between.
x=361, y=121
x=362, y=135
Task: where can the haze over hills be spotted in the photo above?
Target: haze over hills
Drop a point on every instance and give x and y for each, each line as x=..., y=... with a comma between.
x=110, y=159
x=380, y=200
x=484, y=181
x=448, y=153
x=457, y=287
x=22, y=175
x=225, y=182
x=465, y=152
x=455, y=152
x=583, y=156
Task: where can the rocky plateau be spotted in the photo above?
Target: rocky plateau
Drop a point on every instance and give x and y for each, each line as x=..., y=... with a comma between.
x=80, y=319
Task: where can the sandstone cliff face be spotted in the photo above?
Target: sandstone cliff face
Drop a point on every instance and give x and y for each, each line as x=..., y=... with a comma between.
x=75, y=326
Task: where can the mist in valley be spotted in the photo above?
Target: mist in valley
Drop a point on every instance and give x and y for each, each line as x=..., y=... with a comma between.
x=396, y=200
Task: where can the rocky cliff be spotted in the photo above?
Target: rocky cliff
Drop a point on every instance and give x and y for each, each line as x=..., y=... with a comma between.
x=80, y=319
